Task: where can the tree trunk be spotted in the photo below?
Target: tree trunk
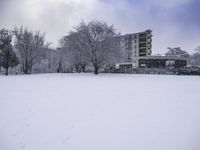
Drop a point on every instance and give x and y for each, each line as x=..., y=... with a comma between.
x=30, y=69
x=26, y=67
x=6, y=71
x=77, y=68
x=59, y=70
x=25, y=70
x=96, y=70
x=49, y=66
x=83, y=67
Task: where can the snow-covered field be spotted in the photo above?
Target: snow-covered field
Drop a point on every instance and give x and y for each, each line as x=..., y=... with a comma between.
x=104, y=112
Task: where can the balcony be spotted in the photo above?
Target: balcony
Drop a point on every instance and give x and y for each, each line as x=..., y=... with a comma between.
x=141, y=45
x=142, y=51
x=142, y=55
x=142, y=40
x=143, y=35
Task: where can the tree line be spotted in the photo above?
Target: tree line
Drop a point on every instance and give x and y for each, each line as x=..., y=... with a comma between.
x=94, y=44
x=88, y=47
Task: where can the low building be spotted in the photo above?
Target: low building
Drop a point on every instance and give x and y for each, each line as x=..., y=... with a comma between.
x=154, y=62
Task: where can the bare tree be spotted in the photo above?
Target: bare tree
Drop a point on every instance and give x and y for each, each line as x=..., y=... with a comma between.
x=103, y=41
x=177, y=51
x=95, y=41
x=30, y=46
x=77, y=51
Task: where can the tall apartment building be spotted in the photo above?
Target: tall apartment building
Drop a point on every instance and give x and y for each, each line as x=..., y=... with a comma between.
x=136, y=45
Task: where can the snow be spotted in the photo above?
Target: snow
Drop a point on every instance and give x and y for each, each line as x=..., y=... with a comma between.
x=104, y=112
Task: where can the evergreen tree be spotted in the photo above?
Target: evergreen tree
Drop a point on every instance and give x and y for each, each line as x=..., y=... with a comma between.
x=8, y=56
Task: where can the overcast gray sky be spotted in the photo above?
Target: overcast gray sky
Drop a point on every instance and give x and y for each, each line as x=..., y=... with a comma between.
x=175, y=23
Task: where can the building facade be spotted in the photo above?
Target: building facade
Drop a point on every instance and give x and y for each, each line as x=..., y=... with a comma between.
x=136, y=45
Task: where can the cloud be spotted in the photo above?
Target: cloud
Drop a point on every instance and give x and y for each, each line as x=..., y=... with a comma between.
x=55, y=17
x=174, y=23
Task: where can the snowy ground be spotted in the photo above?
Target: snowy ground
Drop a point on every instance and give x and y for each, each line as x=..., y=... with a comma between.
x=104, y=112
